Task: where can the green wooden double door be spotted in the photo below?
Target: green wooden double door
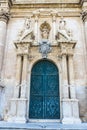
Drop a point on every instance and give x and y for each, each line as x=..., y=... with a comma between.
x=44, y=91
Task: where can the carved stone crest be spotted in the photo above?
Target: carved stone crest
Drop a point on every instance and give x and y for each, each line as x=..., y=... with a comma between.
x=44, y=48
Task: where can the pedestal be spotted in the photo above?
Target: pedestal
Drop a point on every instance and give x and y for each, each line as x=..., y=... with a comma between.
x=18, y=110
x=70, y=110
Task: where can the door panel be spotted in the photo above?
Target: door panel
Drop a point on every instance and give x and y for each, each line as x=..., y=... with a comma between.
x=44, y=91
x=36, y=83
x=36, y=107
x=52, y=85
x=52, y=108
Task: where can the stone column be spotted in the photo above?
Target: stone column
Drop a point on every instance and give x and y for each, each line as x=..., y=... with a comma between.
x=54, y=26
x=18, y=78
x=84, y=18
x=65, y=78
x=24, y=76
x=4, y=17
x=71, y=76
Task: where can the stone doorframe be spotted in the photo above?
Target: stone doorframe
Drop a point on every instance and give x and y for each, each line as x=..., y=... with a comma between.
x=62, y=56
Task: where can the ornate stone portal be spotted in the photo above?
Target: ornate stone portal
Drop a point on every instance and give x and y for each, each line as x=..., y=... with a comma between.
x=19, y=106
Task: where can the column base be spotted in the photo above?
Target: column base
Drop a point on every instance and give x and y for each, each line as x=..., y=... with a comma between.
x=70, y=111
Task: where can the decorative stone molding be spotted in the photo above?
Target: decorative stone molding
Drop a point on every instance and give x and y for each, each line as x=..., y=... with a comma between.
x=45, y=12
x=4, y=15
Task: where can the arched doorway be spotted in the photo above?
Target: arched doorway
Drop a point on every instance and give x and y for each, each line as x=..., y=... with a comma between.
x=44, y=91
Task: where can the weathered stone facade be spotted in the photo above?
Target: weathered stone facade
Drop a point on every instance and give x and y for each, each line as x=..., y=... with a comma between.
x=25, y=26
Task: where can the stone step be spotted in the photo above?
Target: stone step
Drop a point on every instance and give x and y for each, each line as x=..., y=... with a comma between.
x=42, y=126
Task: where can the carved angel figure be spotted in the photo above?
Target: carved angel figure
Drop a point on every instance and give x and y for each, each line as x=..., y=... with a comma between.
x=26, y=29
x=63, y=31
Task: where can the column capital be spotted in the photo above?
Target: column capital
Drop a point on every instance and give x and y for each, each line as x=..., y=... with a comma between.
x=4, y=15
x=84, y=15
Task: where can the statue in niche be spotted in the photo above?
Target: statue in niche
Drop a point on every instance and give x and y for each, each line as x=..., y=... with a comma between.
x=44, y=44
x=45, y=30
x=63, y=33
x=27, y=30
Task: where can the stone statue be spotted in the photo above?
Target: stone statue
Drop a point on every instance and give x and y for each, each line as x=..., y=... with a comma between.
x=26, y=30
x=45, y=29
x=63, y=32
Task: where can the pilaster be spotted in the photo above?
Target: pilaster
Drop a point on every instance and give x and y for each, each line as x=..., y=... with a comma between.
x=84, y=19
x=4, y=17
